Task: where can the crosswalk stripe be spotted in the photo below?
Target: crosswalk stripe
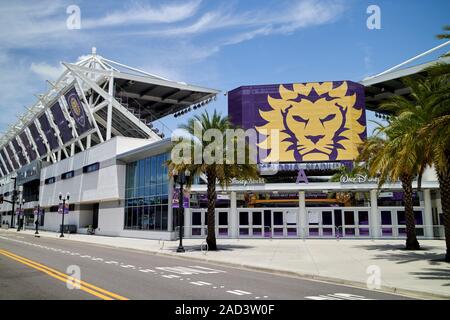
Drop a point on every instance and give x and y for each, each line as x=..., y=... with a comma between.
x=209, y=269
x=190, y=270
x=146, y=270
x=337, y=296
x=201, y=283
x=238, y=292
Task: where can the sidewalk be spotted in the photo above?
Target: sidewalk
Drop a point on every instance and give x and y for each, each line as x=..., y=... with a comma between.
x=422, y=273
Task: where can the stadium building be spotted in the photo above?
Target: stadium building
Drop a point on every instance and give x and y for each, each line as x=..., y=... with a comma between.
x=97, y=135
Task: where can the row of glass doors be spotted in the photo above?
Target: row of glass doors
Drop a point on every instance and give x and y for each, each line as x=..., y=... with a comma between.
x=326, y=222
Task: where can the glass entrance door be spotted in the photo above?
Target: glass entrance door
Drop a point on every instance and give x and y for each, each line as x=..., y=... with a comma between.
x=268, y=223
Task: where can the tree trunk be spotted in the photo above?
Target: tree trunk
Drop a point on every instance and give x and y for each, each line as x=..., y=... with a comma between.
x=444, y=186
x=411, y=238
x=212, y=195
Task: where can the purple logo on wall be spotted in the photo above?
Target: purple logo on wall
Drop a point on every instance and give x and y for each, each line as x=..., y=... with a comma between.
x=77, y=111
x=321, y=121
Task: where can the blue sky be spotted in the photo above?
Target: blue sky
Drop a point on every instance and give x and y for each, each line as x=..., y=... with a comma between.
x=218, y=44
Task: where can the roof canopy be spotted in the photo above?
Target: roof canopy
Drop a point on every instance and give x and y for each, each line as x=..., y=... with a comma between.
x=92, y=101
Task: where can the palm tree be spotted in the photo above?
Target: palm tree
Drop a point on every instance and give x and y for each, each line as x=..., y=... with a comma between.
x=221, y=172
x=435, y=131
x=388, y=159
x=444, y=35
x=423, y=122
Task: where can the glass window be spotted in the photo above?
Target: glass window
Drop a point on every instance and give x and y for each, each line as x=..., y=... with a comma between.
x=223, y=218
x=50, y=180
x=67, y=175
x=401, y=217
x=146, y=203
x=349, y=217
x=158, y=218
x=196, y=218
x=418, y=217
x=363, y=217
x=151, y=223
x=257, y=220
x=386, y=218
x=164, y=217
x=327, y=218
x=91, y=167
x=278, y=218
x=243, y=218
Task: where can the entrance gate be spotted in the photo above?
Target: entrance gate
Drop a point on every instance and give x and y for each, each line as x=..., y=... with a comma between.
x=338, y=222
x=267, y=222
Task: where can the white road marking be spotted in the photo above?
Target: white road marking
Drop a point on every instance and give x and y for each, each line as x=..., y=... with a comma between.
x=146, y=270
x=189, y=270
x=85, y=256
x=208, y=269
x=111, y=262
x=338, y=296
x=201, y=283
x=170, y=276
x=128, y=266
x=238, y=292
x=97, y=259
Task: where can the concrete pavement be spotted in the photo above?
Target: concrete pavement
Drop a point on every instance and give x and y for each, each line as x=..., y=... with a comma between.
x=353, y=262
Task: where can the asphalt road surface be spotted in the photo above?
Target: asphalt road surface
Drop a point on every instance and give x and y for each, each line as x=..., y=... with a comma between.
x=39, y=268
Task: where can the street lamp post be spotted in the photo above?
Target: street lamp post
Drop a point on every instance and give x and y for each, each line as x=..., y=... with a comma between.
x=37, y=219
x=13, y=201
x=64, y=199
x=181, y=179
x=20, y=216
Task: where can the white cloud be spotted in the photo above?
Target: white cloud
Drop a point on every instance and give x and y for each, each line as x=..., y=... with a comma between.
x=170, y=39
x=286, y=19
x=46, y=71
x=145, y=14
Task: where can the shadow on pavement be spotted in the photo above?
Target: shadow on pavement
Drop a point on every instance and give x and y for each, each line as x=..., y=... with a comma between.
x=220, y=247
x=434, y=274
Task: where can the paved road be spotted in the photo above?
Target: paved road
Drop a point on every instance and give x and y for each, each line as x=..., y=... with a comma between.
x=36, y=268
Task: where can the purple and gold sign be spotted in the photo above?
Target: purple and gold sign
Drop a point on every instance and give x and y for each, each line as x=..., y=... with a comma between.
x=77, y=111
x=321, y=121
x=66, y=208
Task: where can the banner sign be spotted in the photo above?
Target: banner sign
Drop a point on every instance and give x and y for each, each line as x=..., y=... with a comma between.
x=77, y=111
x=8, y=166
x=2, y=168
x=19, y=151
x=66, y=209
x=28, y=147
x=41, y=148
x=49, y=132
x=301, y=122
x=11, y=156
x=37, y=212
x=19, y=212
x=176, y=198
x=61, y=122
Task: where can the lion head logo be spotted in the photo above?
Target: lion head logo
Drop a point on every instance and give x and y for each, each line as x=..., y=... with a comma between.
x=316, y=122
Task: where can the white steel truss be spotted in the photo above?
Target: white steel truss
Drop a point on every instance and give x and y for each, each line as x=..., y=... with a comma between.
x=93, y=78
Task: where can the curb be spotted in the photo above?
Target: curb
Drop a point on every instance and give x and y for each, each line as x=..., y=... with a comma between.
x=332, y=280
